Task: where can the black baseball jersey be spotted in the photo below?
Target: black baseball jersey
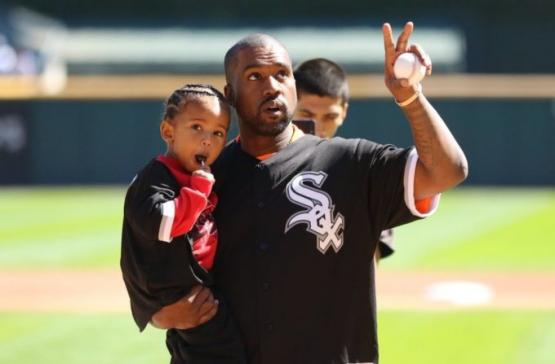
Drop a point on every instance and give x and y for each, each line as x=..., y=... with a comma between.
x=159, y=268
x=385, y=244
x=297, y=237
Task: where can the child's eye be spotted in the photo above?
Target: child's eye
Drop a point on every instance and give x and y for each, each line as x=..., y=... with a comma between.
x=220, y=134
x=196, y=127
x=254, y=76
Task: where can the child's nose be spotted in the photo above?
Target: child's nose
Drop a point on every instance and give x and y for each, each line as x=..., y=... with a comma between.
x=206, y=139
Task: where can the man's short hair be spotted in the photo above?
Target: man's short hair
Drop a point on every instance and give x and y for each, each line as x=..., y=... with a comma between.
x=250, y=41
x=322, y=77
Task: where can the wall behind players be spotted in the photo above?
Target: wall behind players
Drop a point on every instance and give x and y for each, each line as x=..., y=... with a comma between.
x=507, y=36
x=507, y=142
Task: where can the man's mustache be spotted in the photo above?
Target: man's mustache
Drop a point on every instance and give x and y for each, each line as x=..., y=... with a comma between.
x=274, y=99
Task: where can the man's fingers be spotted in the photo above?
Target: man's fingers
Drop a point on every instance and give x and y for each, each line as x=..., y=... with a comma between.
x=208, y=307
x=421, y=54
x=203, y=296
x=403, y=39
x=209, y=315
x=192, y=295
x=389, y=47
x=401, y=82
x=423, y=57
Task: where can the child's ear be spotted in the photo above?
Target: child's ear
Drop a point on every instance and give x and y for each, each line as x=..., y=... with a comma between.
x=166, y=131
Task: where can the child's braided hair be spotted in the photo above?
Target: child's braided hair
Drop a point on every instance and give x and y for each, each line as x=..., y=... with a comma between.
x=179, y=98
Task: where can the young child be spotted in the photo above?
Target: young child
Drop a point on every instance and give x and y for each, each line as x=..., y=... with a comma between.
x=323, y=96
x=169, y=237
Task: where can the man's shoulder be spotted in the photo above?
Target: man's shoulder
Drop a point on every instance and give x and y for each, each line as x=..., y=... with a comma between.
x=362, y=146
x=225, y=162
x=229, y=149
x=228, y=153
x=350, y=142
x=350, y=146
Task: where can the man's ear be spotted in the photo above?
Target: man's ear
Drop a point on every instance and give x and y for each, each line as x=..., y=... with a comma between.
x=344, y=113
x=229, y=94
x=166, y=131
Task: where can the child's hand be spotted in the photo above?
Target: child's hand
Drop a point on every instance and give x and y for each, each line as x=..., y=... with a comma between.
x=204, y=172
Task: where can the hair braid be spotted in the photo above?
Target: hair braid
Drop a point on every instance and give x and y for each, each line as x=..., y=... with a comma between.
x=189, y=92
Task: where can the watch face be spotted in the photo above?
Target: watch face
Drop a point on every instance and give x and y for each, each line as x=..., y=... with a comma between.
x=307, y=126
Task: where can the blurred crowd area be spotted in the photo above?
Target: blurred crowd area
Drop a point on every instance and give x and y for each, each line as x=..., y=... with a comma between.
x=171, y=36
x=77, y=75
x=17, y=60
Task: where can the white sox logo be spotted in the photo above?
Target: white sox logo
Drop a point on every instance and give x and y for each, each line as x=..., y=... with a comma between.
x=318, y=215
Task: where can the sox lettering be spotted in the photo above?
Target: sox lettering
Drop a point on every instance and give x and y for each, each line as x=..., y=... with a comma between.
x=318, y=215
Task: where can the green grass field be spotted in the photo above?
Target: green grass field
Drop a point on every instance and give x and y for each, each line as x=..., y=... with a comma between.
x=462, y=337
x=78, y=338
x=511, y=230
x=482, y=229
x=479, y=229
x=467, y=337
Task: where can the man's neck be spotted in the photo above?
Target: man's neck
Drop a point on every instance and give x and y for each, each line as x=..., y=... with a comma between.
x=257, y=145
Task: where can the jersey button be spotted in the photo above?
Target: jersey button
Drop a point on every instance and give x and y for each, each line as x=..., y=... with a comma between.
x=263, y=246
x=269, y=326
x=260, y=204
x=266, y=286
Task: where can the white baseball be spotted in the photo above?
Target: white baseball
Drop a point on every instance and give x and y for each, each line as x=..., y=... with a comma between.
x=408, y=66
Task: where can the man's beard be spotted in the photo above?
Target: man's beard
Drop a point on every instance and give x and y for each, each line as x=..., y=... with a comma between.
x=272, y=129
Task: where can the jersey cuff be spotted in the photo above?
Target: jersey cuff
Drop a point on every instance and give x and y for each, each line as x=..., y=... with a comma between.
x=410, y=170
x=168, y=214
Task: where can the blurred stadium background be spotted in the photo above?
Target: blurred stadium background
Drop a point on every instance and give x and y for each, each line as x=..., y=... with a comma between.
x=81, y=91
